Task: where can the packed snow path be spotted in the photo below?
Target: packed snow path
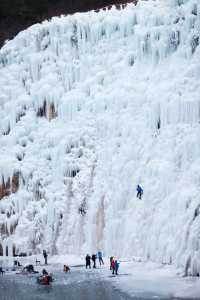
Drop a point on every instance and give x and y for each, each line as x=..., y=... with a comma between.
x=90, y=106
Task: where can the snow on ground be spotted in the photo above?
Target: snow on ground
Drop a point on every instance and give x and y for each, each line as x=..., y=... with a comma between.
x=69, y=260
x=55, y=262
x=152, y=279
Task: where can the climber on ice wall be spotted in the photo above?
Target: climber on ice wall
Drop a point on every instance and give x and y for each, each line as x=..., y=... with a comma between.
x=82, y=211
x=139, y=191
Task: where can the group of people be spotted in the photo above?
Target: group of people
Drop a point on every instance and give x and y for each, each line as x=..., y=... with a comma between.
x=45, y=278
x=93, y=258
x=114, y=265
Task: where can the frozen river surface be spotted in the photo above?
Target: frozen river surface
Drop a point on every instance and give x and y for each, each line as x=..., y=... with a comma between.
x=76, y=285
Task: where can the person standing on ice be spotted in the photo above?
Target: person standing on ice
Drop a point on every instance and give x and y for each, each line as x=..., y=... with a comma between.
x=113, y=266
x=111, y=259
x=116, y=268
x=88, y=261
x=100, y=257
x=139, y=191
x=45, y=256
x=94, y=257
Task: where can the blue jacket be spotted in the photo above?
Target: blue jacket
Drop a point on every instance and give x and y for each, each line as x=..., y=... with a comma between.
x=139, y=189
x=99, y=254
x=117, y=265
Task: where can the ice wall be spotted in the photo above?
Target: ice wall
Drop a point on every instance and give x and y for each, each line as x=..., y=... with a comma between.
x=90, y=106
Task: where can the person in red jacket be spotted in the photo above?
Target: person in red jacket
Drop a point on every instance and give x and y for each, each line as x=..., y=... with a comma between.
x=113, y=266
x=111, y=259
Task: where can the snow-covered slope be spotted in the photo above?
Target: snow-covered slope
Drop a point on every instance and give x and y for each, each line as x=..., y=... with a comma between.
x=90, y=106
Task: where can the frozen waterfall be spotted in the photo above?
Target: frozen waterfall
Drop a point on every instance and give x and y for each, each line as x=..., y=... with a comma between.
x=91, y=105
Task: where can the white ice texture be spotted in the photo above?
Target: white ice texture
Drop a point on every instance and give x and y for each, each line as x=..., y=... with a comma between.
x=91, y=105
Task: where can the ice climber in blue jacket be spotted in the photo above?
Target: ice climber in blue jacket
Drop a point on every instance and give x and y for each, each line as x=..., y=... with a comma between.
x=139, y=191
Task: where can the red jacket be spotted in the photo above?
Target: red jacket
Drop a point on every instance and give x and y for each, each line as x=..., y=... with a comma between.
x=113, y=264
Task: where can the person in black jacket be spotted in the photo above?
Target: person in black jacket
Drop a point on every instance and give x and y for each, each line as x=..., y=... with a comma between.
x=94, y=257
x=88, y=261
x=45, y=256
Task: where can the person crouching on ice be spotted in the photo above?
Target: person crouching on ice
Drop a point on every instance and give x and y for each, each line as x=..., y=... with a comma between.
x=66, y=268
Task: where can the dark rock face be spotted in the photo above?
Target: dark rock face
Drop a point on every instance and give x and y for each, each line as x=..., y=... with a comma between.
x=17, y=15
x=10, y=186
